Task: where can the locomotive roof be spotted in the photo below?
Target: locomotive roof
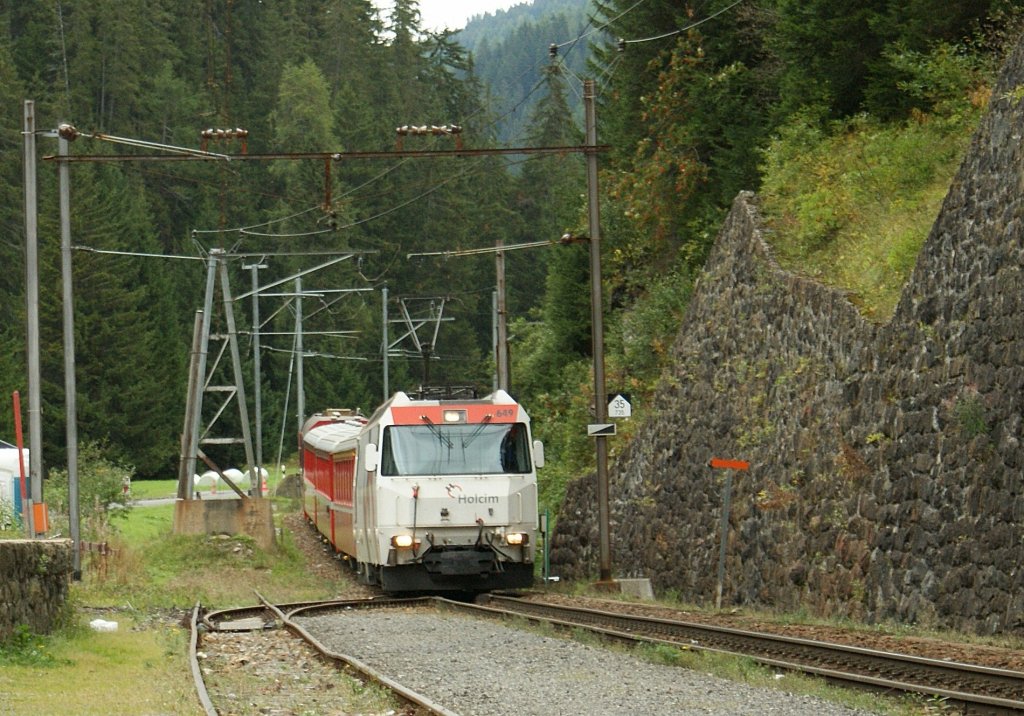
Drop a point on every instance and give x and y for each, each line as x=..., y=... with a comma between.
x=330, y=436
x=330, y=415
x=400, y=399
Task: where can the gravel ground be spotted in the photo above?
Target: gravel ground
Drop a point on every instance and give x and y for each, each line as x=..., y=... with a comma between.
x=501, y=670
x=273, y=673
x=479, y=668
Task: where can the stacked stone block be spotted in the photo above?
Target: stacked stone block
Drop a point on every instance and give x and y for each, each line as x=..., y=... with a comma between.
x=34, y=583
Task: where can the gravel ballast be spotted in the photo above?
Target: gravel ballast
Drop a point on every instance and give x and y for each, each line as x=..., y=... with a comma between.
x=480, y=668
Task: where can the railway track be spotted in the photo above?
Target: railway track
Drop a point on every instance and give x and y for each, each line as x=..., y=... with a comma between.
x=268, y=616
x=974, y=689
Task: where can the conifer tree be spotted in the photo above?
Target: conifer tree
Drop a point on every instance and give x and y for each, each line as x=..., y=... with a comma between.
x=12, y=245
x=129, y=380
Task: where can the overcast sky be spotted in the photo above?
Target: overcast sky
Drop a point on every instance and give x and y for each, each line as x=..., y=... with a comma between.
x=438, y=14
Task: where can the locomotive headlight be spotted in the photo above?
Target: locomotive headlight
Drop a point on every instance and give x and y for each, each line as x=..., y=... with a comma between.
x=454, y=416
x=401, y=541
x=515, y=538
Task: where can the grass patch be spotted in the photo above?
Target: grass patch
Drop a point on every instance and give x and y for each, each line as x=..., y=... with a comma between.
x=851, y=202
x=30, y=650
x=852, y=205
x=152, y=568
x=153, y=489
x=72, y=672
x=142, y=667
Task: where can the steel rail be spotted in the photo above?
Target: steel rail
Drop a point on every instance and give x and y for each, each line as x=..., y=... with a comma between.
x=366, y=670
x=832, y=661
x=193, y=658
x=221, y=619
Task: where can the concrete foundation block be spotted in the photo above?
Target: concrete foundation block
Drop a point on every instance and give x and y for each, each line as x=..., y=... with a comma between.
x=253, y=517
x=639, y=588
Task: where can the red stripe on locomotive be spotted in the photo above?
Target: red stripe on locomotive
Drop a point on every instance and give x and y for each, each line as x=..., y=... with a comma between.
x=475, y=413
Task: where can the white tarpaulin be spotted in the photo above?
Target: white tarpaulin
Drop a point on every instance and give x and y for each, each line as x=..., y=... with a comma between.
x=10, y=472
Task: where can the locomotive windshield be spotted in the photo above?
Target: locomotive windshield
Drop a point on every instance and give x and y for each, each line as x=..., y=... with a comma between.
x=455, y=449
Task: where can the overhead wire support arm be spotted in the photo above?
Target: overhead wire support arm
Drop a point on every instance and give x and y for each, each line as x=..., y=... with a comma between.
x=275, y=284
x=485, y=250
x=305, y=333
x=70, y=133
x=275, y=254
x=194, y=156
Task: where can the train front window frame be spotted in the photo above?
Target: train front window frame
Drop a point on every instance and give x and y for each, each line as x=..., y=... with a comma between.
x=455, y=449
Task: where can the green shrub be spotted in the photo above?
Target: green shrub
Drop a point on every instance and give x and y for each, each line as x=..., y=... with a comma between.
x=101, y=494
x=23, y=648
x=970, y=413
x=851, y=202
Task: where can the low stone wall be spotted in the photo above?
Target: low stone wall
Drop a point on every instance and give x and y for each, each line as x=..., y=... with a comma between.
x=34, y=583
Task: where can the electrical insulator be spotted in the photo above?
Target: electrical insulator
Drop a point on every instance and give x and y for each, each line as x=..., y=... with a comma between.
x=552, y=50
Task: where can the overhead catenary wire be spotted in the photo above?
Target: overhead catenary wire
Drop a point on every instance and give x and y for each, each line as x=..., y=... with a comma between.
x=352, y=224
x=314, y=354
x=203, y=154
x=682, y=29
x=488, y=249
x=72, y=131
x=608, y=72
x=279, y=219
x=139, y=254
x=319, y=232
x=297, y=214
x=585, y=35
x=462, y=153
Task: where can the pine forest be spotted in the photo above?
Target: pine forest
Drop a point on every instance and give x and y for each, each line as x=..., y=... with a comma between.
x=697, y=100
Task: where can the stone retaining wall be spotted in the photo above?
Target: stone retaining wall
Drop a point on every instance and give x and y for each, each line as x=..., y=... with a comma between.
x=886, y=461
x=34, y=583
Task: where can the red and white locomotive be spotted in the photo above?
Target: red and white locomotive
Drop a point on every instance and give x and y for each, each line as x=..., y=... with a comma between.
x=427, y=495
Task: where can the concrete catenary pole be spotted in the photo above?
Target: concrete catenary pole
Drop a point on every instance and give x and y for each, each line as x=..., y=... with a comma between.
x=70, y=399
x=300, y=390
x=257, y=393
x=501, y=347
x=494, y=336
x=384, y=331
x=596, y=312
x=35, y=424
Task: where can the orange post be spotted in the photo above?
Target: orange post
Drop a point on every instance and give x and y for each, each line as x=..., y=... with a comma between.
x=40, y=518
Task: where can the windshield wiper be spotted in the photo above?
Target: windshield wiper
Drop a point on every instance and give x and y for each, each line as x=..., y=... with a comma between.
x=433, y=429
x=473, y=435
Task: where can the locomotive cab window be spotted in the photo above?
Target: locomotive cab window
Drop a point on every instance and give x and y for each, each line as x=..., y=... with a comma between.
x=455, y=449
